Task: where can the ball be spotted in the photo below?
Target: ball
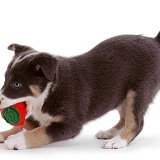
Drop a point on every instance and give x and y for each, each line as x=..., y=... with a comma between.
x=15, y=114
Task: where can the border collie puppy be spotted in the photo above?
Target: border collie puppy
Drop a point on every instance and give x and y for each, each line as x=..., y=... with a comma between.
x=62, y=94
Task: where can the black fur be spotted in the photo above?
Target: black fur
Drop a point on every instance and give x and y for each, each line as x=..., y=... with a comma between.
x=18, y=48
x=96, y=82
x=85, y=87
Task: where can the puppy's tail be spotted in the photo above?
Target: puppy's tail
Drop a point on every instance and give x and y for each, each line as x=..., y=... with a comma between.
x=158, y=37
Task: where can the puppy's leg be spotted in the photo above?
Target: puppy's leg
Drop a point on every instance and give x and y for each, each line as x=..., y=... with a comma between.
x=29, y=124
x=135, y=107
x=41, y=136
x=114, y=131
x=5, y=134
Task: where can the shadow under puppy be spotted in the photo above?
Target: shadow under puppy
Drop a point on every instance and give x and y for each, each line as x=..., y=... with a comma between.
x=62, y=94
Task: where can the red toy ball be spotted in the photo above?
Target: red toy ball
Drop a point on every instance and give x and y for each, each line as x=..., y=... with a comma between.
x=15, y=114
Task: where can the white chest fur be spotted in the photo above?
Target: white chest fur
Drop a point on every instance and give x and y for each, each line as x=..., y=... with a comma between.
x=35, y=108
x=43, y=118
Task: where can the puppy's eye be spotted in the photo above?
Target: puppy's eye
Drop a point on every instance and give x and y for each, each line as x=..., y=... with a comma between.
x=16, y=85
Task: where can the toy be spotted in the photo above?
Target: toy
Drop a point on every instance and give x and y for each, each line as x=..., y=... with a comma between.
x=15, y=114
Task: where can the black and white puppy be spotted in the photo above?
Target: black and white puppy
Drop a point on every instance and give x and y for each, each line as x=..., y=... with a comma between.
x=62, y=94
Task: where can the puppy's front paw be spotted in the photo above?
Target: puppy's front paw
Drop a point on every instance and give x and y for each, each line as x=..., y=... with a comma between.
x=16, y=141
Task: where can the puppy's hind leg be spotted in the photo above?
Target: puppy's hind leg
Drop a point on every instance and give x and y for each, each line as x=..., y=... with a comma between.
x=136, y=104
x=114, y=131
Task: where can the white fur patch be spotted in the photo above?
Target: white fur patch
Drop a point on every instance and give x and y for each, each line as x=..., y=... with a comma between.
x=21, y=58
x=43, y=118
x=115, y=143
x=16, y=141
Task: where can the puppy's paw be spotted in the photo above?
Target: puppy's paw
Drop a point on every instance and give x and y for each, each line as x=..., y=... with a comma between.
x=2, y=139
x=115, y=143
x=104, y=135
x=16, y=141
x=107, y=134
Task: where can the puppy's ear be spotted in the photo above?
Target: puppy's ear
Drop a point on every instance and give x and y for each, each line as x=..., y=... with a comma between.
x=45, y=63
x=17, y=48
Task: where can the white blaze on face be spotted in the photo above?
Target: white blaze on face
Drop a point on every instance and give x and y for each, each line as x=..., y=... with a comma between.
x=5, y=101
x=21, y=58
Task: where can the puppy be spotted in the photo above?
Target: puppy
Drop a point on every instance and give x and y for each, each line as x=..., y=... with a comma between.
x=62, y=94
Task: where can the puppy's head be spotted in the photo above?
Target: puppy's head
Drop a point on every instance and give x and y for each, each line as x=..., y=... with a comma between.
x=28, y=77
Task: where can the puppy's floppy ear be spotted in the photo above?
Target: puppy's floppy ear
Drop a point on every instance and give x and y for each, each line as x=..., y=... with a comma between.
x=45, y=63
x=17, y=48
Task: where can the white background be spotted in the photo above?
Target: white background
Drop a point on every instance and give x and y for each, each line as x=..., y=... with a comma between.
x=68, y=28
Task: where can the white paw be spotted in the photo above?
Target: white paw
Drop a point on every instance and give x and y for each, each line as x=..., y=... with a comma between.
x=16, y=141
x=115, y=143
x=1, y=138
x=107, y=134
